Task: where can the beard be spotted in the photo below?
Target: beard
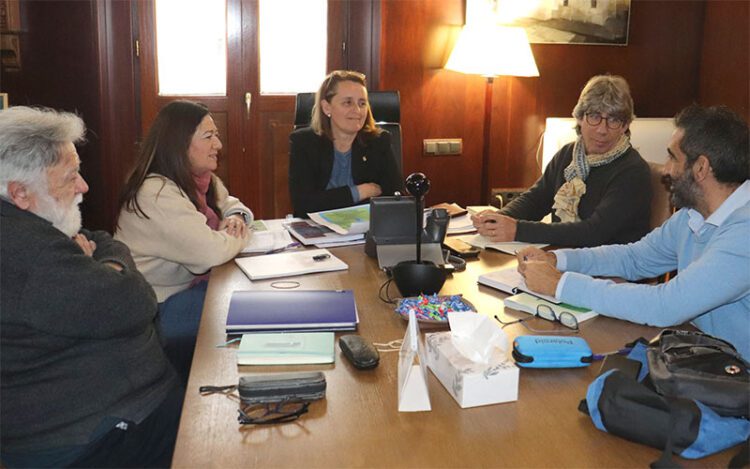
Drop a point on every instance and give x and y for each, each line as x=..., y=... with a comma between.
x=685, y=192
x=65, y=218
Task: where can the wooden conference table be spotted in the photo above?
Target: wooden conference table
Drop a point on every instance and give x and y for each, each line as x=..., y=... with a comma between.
x=358, y=424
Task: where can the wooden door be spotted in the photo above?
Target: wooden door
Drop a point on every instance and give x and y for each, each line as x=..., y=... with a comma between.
x=255, y=128
x=227, y=110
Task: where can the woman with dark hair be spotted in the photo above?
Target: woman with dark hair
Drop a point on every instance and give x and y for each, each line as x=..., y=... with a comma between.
x=342, y=158
x=597, y=188
x=179, y=220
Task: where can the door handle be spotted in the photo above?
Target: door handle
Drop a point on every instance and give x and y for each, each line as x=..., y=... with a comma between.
x=248, y=103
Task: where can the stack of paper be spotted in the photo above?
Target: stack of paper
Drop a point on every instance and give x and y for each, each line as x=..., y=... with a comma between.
x=511, y=247
x=285, y=348
x=291, y=310
x=510, y=281
x=289, y=264
x=269, y=240
x=528, y=304
x=310, y=233
x=461, y=224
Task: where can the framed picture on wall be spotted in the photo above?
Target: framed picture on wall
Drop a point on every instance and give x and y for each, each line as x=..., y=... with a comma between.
x=3, y=101
x=603, y=22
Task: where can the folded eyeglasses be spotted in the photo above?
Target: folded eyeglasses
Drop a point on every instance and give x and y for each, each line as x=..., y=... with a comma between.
x=548, y=314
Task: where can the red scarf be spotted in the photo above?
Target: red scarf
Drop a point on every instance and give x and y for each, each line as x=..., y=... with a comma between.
x=212, y=219
x=201, y=185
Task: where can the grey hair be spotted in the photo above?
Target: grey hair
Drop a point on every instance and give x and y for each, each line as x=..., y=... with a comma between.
x=605, y=94
x=30, y=142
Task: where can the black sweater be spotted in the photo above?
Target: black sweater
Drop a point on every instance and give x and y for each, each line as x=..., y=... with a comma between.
x=614, y=210
x=311, y=163
x=78, y=346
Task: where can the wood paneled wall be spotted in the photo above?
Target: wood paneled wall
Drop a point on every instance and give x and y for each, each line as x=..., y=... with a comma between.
x=662, y=63
x=725, y=59
x=77, y=57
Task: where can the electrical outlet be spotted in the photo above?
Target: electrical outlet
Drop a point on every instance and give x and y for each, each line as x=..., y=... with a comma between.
x=442, y=146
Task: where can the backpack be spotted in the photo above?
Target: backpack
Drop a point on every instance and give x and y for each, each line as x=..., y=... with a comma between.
x=690, y=398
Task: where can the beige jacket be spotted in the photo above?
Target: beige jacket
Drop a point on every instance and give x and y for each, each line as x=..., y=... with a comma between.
x=174, y=245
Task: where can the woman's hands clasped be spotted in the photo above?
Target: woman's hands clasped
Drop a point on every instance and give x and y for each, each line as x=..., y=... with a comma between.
x=235, y=226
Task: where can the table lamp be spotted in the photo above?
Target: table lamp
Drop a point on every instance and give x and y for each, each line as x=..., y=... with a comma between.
x=415, y=277
x=490, y=50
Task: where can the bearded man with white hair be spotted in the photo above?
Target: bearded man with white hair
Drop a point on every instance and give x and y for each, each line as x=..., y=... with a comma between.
x=83, y=378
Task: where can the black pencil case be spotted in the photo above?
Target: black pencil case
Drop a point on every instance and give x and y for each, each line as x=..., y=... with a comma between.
x=282, y=387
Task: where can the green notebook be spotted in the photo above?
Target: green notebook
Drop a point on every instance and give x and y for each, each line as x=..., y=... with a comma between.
x=285, y=348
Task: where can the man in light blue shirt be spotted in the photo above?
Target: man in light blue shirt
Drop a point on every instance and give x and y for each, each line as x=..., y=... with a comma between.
x=707, y=241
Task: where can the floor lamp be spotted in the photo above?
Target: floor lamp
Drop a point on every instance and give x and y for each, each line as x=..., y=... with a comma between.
x=491, y=51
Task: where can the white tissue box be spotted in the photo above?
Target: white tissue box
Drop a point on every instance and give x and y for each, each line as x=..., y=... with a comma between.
x=471, y=384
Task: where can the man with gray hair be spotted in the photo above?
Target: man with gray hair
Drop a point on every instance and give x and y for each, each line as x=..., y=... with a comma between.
x=83, y=378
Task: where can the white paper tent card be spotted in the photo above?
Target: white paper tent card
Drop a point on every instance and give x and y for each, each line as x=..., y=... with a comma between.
x=413, y=395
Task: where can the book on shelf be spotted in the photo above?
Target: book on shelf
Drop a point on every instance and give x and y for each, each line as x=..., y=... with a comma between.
x=288, y=264
x=510, y=247
x=510, y=281
x=285, y=348
x=528, y=304
x=291, y=310
x=310, y=233
x=344, y=221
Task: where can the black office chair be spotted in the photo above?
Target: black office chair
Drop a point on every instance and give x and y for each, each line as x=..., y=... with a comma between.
x=386, y=109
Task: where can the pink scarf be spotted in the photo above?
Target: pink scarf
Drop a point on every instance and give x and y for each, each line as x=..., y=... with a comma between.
x=201, y=186
x=212, y=219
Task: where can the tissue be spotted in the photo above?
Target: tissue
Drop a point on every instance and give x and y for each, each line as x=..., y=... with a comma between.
x=475, y=337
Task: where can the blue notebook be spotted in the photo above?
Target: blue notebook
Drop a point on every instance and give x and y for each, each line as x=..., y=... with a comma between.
x=297, y=310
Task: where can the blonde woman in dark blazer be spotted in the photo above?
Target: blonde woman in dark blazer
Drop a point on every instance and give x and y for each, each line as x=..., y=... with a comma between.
x=343, y=158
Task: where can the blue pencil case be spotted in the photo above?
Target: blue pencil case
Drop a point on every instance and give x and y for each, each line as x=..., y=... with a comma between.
x=547, y=351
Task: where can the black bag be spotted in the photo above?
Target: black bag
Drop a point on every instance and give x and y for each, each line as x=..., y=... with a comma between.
x=698, y=366
x=687, y=425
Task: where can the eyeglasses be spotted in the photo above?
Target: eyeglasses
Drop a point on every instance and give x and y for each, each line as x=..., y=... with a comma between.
x=548, y=314
x=279, y=412
x=595, y=119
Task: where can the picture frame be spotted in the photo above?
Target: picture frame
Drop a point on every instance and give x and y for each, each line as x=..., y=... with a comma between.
x=589, y=22
x=10, y=16
x=3, y=101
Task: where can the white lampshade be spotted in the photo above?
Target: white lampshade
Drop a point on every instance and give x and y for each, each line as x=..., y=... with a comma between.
x=491, y=51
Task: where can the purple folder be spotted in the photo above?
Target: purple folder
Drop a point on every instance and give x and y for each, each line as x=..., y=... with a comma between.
x=298, y=310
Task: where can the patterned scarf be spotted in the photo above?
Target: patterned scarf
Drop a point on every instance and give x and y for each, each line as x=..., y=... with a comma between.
x=569, y=195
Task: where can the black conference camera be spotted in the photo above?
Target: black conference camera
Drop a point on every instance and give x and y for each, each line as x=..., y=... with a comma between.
x=420, y=277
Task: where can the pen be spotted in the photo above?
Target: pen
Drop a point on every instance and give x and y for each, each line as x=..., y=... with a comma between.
x=321, y=257
x=283, y=248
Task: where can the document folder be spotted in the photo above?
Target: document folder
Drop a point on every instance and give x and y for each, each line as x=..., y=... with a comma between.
x=298, y=310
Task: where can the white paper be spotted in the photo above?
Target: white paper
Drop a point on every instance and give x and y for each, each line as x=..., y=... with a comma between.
x=511, y=247
x=510, y=281
x=269, y=240
x=461, y=224
x=476, y=337
x=413, y=394
x=289, y=264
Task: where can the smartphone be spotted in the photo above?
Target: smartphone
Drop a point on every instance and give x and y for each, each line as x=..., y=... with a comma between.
x=628, y=367
x=461, y=248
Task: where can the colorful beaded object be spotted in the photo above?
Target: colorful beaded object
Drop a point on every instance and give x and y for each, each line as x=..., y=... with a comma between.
x=433, y=308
